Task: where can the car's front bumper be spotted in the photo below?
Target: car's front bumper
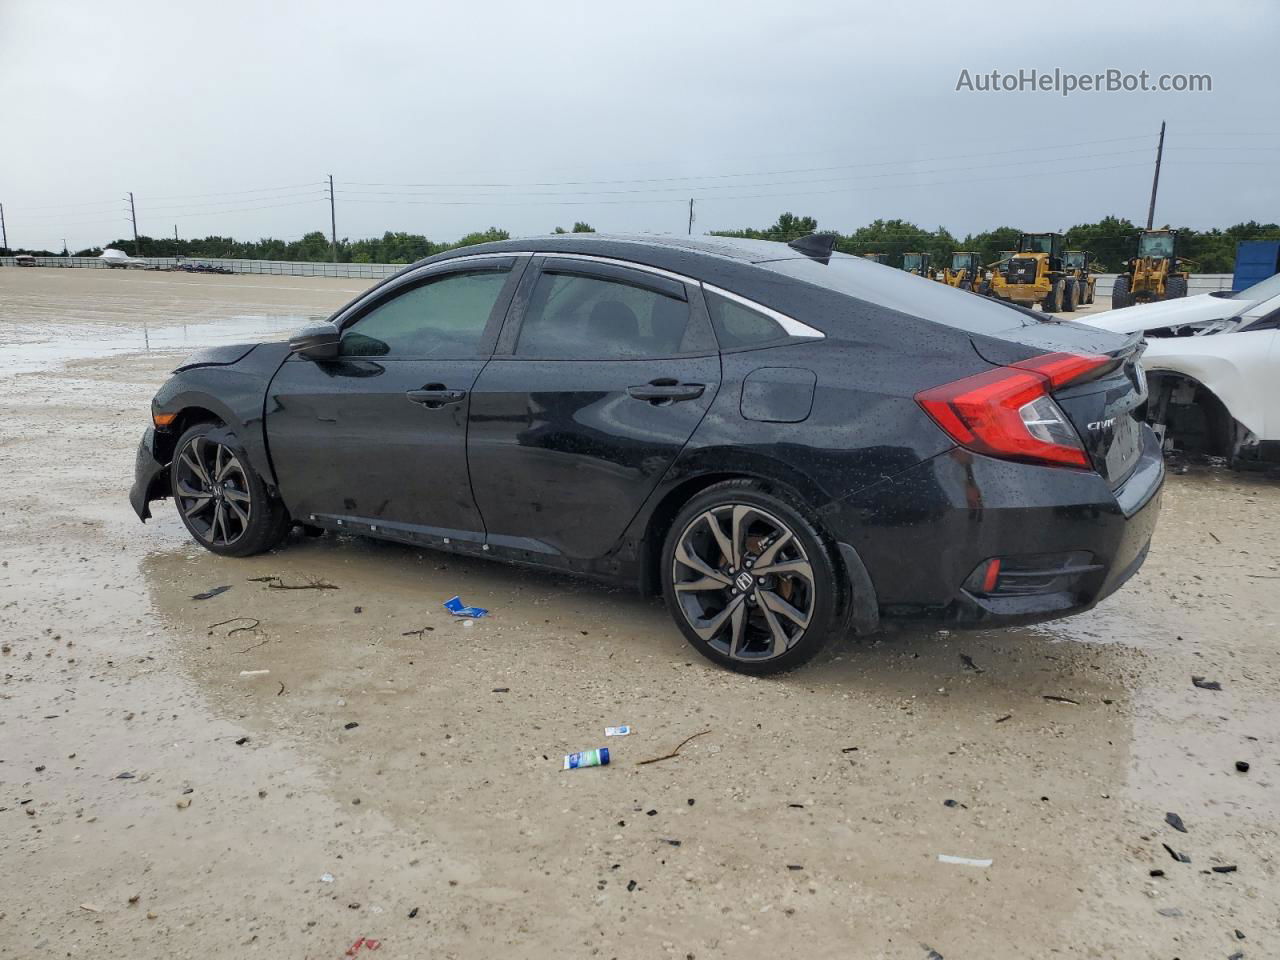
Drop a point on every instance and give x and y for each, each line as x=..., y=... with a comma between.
x=924, y=533
x=150, y=475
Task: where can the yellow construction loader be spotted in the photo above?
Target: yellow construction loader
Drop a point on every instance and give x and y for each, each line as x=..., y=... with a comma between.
x=1079, y=265
x=1035, y=274
x=965, y=271
x=917, y=263
x=1156, y=273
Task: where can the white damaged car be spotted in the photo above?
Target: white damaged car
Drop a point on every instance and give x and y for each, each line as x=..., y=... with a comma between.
x=1213, y=366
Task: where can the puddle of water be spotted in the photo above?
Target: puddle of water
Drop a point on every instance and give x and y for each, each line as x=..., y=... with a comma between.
x=62, y=343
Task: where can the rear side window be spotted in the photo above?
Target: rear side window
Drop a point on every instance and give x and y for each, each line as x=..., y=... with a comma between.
x=443, y=318
x=738, y=326
x=578, y=317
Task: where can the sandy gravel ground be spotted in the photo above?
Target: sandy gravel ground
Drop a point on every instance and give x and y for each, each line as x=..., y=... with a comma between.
x=156, y=802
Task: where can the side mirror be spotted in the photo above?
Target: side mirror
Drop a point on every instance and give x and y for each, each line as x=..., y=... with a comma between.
x=317, y=341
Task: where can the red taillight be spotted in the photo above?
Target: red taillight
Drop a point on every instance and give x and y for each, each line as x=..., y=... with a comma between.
x=1007, y=412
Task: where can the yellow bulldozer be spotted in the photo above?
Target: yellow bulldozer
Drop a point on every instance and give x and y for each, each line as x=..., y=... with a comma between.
x=1036, y=274
x=1079, y=265
x=917, y=263
x=1156, y=273
x=965, y=271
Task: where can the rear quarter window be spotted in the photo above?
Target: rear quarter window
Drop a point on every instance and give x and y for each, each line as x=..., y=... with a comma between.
x=738, y=326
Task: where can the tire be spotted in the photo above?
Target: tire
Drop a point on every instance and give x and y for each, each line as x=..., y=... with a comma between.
x=1070, y=295
x=786, y=617
x=221, y=501
x=966, y=285
x=1120, y=296
x=1175, y=287
x=1053, y=299
x=984, y=288
x=1090, y=289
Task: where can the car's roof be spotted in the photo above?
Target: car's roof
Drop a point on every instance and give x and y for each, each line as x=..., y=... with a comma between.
x=656, y=249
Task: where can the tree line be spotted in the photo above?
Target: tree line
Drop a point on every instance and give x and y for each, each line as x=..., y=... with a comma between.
x=1111, y=241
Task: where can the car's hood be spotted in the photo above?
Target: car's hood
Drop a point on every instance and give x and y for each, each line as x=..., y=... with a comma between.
x=1166, y=313
x=220, y=356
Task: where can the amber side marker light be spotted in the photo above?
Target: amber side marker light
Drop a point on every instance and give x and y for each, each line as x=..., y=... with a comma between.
x=163, y=419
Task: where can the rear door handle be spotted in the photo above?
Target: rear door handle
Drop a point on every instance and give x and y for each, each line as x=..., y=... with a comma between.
x=665, y=390
x=436, y=395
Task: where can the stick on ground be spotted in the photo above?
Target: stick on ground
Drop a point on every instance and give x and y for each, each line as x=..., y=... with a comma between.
x=675, y=751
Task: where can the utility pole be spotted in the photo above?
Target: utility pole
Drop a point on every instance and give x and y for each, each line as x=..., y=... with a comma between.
x=133, y=217
x=64, y=247
x=1155, y=181
x=175, y=242
x=333, y=222
x=3, y=232
x=691, y=216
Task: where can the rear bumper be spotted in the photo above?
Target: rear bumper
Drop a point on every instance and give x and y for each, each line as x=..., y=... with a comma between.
x=923, y=534
x=150, y=476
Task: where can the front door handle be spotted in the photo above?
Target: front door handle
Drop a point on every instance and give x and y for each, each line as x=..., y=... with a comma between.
x=665, y=390
x=436, y=395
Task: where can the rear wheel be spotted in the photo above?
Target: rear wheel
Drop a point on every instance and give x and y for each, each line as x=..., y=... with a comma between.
x=1175, y=287
x=1070, y=295
x=222, y=502
x=1120, y=295
x=749, y=579
x=966, y=285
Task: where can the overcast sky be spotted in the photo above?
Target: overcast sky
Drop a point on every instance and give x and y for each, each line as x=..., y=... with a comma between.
x=442, y=118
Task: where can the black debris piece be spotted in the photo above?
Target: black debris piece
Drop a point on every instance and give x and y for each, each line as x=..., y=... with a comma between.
x=350, y=726
x=848, y=749
x=413, y=913
x=1007, y=716
x=954, y=803
x=631, y=885
x=1242, y=766
x=1053, y=698
x=1238, y=955
x=242, y=741
x=358, y=610
x=968, y=663
x=691, y=801
x=1175, y=821
x=1180, y=857
x=501, y=689
x=1204, y=684
x=795, y=866
x=1155, y=873
x=212, y=592
x=797, y=806
x=651, y=813
x=119, y=776
x=931, y=954
x=674, y=843
x=1239, y=934
x=1225, y=868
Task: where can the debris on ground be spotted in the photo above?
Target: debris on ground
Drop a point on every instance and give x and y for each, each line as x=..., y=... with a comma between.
x=501, y=689
x=242, y=741
x=124, y=776
x=326, y=878
x=1204, y=684
x=365, y=943
x=668, y=756
x=1175, y=821
x=621, y=731
x=459, y=609
x=223, y=623
x=795, y=866
x=1225, y=868
x=930, y=953
x=1180, y=857
x=413, y=913
x=968, y=663
x=1242, y=766
x=954, y=803
x=1053, y=698
x=1155, y=873
x=963, y=861
x=253, y=673
x=1169, y=912
x=587, y=758
x=184, y=802
x=350, y=725
x=212, y=592
x=1007, y=716
x=277, y=583
x=416, y=633
x=91, y=907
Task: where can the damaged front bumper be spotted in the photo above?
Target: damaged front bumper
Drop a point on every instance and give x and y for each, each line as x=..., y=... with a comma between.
x=150, y=474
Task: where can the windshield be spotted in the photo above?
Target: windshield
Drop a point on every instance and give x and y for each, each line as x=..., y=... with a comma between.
x=1075, y=261
x=961, y=261
x=1040, y=244
x=911, y=261
x=1156, y=245
x=1262, y=290
x=898, y=290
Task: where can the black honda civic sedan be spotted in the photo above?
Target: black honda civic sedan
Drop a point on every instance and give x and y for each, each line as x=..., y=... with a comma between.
x=789, y=443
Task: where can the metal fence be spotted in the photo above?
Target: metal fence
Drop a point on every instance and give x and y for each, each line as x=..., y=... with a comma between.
x=285, y=268
x=1198, y=283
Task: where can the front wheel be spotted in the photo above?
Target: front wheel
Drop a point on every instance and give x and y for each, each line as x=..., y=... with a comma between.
x=222, y=502
x=749, y=579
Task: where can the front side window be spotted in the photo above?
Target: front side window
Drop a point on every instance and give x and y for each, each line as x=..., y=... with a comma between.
x=443, y=318
x=579, y=317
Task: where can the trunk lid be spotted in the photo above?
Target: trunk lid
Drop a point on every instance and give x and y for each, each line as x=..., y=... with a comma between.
x=1104, y=407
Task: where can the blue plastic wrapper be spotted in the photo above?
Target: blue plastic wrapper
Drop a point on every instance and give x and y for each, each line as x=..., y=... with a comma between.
x=460, y=609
